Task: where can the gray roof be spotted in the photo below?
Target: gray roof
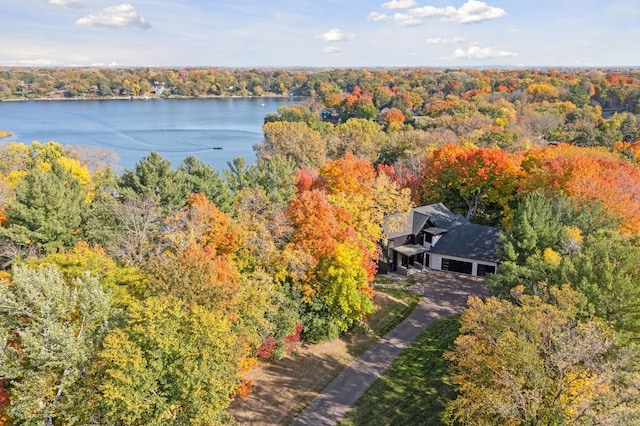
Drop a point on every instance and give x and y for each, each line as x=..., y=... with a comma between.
x=441, y=216
x=411, y=249
x=401, y=225
x=470, y=241
x=435, y=231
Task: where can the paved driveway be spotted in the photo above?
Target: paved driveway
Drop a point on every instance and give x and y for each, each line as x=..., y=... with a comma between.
x=445, y=294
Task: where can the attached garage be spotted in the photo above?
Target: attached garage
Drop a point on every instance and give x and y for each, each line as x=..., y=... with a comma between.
x=483, y=269
x=467, y=249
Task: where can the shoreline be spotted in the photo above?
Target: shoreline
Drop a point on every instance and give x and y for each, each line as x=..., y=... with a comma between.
x=149, y=98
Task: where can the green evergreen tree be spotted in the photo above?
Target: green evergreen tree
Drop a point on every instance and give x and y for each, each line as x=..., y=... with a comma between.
x=534, y=227
x=236, y=174
x=541, y=224
x=154, y=177
x=276, y=175
x=47, y=210
x=193, y=175
x=605, y=272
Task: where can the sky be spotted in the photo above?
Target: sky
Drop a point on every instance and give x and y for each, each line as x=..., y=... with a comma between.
x=320, y=33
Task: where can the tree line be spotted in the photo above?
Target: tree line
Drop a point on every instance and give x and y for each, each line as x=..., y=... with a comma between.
x=146, y=297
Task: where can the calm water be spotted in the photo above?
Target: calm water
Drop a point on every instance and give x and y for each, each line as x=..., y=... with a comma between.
x=175, y=128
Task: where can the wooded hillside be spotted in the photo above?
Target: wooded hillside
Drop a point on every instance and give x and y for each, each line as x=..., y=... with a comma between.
x=144, y=298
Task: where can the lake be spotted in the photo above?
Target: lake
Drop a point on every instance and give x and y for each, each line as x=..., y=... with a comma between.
x=175, y=128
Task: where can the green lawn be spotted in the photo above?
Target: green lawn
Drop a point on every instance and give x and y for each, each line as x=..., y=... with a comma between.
x=397, y=305
x=392, y=314
x=415, y=388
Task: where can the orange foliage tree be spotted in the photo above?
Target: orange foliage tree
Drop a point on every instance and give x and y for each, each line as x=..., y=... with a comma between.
x=332, y=280
x=353, y=184
x=197, y=265
x=336, y=221
x=394, y=118
x=480, y=182
x=592, y=175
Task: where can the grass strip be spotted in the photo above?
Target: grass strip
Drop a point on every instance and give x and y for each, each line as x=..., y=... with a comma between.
x=416, y=387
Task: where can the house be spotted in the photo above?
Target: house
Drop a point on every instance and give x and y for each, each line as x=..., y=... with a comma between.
x=434, y=237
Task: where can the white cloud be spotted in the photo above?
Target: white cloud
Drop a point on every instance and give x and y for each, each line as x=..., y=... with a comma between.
x=476, y=52
x=399, y=4
x=123, y=15
x=405, y=20
x=428, y=11
x=471, y=11
x=474, y=11
x=378, y=17
x=69, y=3
x=332, y=50
x=333, y=34
x=452, y=40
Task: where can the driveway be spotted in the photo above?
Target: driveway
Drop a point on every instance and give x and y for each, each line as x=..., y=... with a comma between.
x=445, y=294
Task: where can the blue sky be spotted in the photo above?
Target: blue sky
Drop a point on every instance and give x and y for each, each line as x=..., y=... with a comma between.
x=320, y=33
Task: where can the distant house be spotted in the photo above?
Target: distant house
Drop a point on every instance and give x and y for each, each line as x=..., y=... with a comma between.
x=329, y=114
x=434, y=237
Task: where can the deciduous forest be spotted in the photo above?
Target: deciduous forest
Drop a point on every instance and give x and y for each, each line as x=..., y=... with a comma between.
x=146, y=297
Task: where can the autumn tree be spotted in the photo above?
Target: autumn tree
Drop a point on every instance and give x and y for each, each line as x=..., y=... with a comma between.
x=353, y=184
x=393, y=119
x=531, y=361
x=16, y=157
x=361, y=137
x=268, y=308
x=329, y=266
x=196, y=264
x=266, y=230
x=479, y=182
x=136, y=227
x=296, y=140
x=96, y=159
x=336, y=224
x=51, y=330
x=542, y=92
x=382, y=96
x=169, y=365
x=593, y=175
x=122, y=282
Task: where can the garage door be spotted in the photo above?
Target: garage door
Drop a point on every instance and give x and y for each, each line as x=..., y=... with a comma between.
x=483, y=270
x=457, y=266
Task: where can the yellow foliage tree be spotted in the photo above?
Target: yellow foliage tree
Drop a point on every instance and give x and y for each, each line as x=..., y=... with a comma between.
x=532, y=362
